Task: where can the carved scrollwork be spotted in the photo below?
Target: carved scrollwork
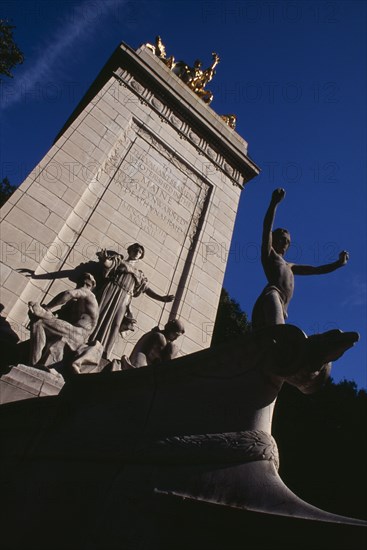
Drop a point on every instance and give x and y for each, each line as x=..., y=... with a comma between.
x=228, y=169
x=211, y=153
x=137, y=86
x=157, y=104
x=177, y=122
x=194, y=138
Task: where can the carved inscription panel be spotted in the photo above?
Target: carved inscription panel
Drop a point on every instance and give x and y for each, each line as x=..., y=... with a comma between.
x=156, y=195
x=155, y=192
x=154, y=198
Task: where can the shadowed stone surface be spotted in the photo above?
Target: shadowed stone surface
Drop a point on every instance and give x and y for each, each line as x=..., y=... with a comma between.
x=114, y=454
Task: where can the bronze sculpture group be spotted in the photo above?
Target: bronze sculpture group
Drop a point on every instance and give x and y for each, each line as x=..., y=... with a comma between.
x=194, y=77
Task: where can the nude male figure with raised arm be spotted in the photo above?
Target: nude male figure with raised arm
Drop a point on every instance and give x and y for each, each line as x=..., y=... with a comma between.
x=272, y=305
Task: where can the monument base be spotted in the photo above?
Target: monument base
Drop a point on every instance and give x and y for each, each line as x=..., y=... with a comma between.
x=116, y=520
x=23, y=382
x=218, y=527
x=193, y=524
x=178, y=454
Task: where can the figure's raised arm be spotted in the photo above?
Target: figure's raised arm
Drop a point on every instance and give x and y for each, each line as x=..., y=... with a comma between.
x=159, y=297
x=321, y=269
x=277, y=196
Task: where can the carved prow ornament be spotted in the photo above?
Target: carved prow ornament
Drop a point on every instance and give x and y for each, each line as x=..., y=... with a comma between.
x=197, y=427
x=244, y=462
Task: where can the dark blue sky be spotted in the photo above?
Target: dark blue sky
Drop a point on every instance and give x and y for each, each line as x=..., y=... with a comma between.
x=294, y=72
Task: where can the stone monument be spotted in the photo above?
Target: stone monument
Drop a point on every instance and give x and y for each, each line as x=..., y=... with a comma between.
x=144, y=165
x=142, y=158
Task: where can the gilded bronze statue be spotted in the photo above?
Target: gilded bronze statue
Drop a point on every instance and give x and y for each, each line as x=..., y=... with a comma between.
x=230, y=120
x=159, y=49
x=194, y=77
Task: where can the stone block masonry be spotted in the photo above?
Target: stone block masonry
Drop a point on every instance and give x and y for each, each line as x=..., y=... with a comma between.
x=142, y=159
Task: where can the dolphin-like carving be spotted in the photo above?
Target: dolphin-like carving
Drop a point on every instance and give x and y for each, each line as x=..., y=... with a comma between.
x=197, y=427
x=244, y=462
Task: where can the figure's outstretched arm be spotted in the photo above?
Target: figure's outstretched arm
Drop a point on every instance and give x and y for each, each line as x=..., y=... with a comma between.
x=277, y=196
x=321, y=269
x=158, y=297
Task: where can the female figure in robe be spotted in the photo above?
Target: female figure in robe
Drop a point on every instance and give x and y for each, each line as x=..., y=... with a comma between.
x=123, y=281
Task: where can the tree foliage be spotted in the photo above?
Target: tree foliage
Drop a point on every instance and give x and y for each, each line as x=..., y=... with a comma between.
x=10, y=54
x=323, y=445
x=231, y=321
x=6, y=190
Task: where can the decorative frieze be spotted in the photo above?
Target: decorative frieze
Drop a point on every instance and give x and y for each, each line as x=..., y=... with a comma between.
x=184, y=130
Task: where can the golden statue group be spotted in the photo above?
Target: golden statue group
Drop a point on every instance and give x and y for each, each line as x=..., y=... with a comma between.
x=194, y=77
